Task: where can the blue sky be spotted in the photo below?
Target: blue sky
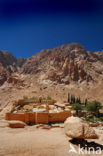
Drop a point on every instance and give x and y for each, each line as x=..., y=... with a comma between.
x=28, y=26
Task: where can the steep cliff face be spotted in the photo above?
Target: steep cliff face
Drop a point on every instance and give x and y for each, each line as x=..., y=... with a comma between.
x=3, y=75
x=8, y=66
x=64, y=64
x=8, y=61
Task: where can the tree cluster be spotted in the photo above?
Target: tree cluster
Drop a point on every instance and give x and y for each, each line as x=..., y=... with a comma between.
x=72, y=99
x=92, y=107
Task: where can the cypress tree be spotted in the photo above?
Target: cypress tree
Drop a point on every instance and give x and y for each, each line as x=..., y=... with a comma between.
x=79, y=100
x=68, y=98
x=71, y=99
x=74, y=99
x=86, y=101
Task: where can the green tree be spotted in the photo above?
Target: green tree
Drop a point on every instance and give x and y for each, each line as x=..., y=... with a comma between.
x=72, y=99
x=79, y=100
x=86, y=102
x=68, y=98
x=77, y=107
x=94, y=107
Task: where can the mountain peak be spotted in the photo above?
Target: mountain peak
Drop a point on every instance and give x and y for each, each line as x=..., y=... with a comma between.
x=72, y=46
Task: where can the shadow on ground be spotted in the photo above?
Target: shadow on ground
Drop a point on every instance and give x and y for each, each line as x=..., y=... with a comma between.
x=85, y=144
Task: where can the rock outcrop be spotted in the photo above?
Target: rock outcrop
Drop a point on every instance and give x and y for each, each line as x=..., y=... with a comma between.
x=76, y=128
x=8, y=66
x=65, y=64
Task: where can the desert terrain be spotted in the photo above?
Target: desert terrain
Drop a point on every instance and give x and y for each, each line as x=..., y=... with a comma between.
x=32, y=141
x=52, y=72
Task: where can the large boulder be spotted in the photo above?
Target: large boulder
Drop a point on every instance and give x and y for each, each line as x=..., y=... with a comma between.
x=76, y=128
x=16, y=124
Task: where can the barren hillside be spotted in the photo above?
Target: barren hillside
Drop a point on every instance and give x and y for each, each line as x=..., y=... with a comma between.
x=54, y=72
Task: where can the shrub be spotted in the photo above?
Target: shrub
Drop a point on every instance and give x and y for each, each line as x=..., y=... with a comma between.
x=100, y=119
x=90, y=119
x=25, y=97
x=48, y=98
x=34, y=98
x=94, y=107
x=77, y=107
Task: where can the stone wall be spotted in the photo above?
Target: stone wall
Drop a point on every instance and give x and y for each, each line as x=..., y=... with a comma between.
x=59, y=117
x=41, y=117
x=11, y=116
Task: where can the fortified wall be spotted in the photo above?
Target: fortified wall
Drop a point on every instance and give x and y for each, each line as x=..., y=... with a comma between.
x=40, y=117
x=36, y=111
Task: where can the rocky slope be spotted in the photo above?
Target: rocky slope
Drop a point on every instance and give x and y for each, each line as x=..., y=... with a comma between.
x=9, y=66
x=63, y=65
x=54, y=72
x=66, y=64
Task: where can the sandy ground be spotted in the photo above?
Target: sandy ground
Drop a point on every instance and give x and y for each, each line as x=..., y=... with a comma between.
x=31, y=141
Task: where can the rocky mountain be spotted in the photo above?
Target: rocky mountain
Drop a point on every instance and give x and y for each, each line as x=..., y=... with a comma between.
x=9, y=65
x=8, y=61
x=54, y=72
x=20, y=61
x=66, y=64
